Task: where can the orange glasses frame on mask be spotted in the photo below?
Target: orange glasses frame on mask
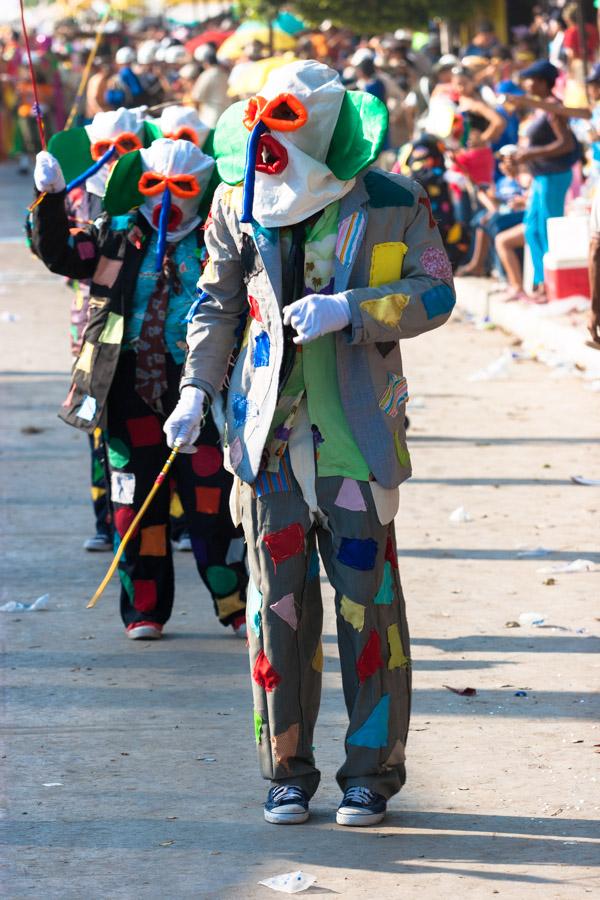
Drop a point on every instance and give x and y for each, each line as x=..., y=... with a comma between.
x=124, y=143
x=266, y=111
x=151, y=184
x=185, y=133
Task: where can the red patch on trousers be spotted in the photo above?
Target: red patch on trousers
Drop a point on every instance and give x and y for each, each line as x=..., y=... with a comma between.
x=144, y=594
x=254, y=308
x=264, y=674
x=390, y=554
x=370, y=659
x=286, y=543
x=124, y=516
x=144, y=431
x=206, y=460
x=208, y=500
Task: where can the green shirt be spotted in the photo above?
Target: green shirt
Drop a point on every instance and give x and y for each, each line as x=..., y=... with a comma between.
x=314, y=374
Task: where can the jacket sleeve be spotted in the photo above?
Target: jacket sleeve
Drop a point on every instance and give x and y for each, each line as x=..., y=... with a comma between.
x=213, y=331
x=423, y=297
x=69, y=252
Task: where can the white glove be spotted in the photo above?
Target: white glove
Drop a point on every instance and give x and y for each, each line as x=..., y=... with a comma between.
x=317, y=314
x=48, y=174
x=183, y=425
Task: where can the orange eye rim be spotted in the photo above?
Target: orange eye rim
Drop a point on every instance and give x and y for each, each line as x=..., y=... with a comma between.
x=126, y=142
x=185, y=133
x=175, y=182
x=253, y=111
x=260, y=109
x=276, y=124
x=157, y=185
x=151, y=184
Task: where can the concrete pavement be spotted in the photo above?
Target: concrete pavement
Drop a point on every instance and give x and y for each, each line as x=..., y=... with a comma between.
x=130, y=768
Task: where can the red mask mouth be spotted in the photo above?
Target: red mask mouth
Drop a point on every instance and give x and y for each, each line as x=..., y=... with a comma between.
x=271, y=156
x=175, y=217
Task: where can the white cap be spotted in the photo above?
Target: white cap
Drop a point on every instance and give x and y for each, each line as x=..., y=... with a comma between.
x=361, y=54
x=176, y=55
x=124, y=56
x=146, y=53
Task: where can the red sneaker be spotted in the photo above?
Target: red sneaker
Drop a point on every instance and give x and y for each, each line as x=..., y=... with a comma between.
x=144, y=631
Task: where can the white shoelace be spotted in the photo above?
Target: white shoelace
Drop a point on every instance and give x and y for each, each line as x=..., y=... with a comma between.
x=361, y=795
x=287, y=792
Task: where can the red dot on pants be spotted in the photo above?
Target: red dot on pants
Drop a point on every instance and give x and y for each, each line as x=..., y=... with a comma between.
x=206, y=460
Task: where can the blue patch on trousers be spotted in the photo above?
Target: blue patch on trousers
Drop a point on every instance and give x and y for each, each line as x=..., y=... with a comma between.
x=358, y=554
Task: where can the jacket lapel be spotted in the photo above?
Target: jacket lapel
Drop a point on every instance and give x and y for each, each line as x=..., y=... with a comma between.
x=267, y=244
x=351, y=228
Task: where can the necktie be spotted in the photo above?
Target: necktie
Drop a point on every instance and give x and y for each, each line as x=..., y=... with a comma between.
x=151, y=363
x=293, y=289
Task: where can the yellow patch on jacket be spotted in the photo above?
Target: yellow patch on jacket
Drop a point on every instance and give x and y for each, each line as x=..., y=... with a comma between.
x=386, y=263
x=387, y=310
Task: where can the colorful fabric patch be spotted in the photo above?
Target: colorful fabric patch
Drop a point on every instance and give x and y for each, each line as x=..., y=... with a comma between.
x=313, y=566
x=425, y=201
x=175, y=507
x=127, y=584
x=122, y=487
x=85, y=358
x=438, y=300
x=384, y=191
x=374, y=732
x=286, y=610
x=221, y=580
x=384, y=348
x=254, y=308
x=386, y=263
x=227, y=606
x=358, y=554
x=285, y=544
x=264, y=674
x=153, y=541
x=206, y=460
x=96, y=493
x=144, y=431
x=208, y=500
x=436, y=263
x=144, y=594
x=349, y=236
x=107, y=271
x=350, y=496
x=370, y=659
x=118, y=453
x=242, y=409
x=317, y=660
x=397, y=658
x=199, y=549
x=254, y=602
x=87, y=410
x=258, y=724
x=385, y=594
x=123, y=518
x=395, y=394
x=112, y=333
x=402, y=451
x=390, y=553
x=387, y=310
x=86, y=250
x=262, y=350
x=271, y=234
x=285, y=746
x=236, y=452
x=353, y=613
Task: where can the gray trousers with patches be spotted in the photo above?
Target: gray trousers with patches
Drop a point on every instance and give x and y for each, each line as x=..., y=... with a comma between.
x=286, y=658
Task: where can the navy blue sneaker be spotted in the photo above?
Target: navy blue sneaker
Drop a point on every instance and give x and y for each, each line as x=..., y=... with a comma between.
x=361, y=806
x=286, y=804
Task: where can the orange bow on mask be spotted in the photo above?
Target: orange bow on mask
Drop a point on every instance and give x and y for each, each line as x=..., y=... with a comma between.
x=153, y=183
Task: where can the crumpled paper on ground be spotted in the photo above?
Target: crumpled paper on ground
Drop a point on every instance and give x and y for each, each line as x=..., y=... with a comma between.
x=290, y=882
x=17, y=606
